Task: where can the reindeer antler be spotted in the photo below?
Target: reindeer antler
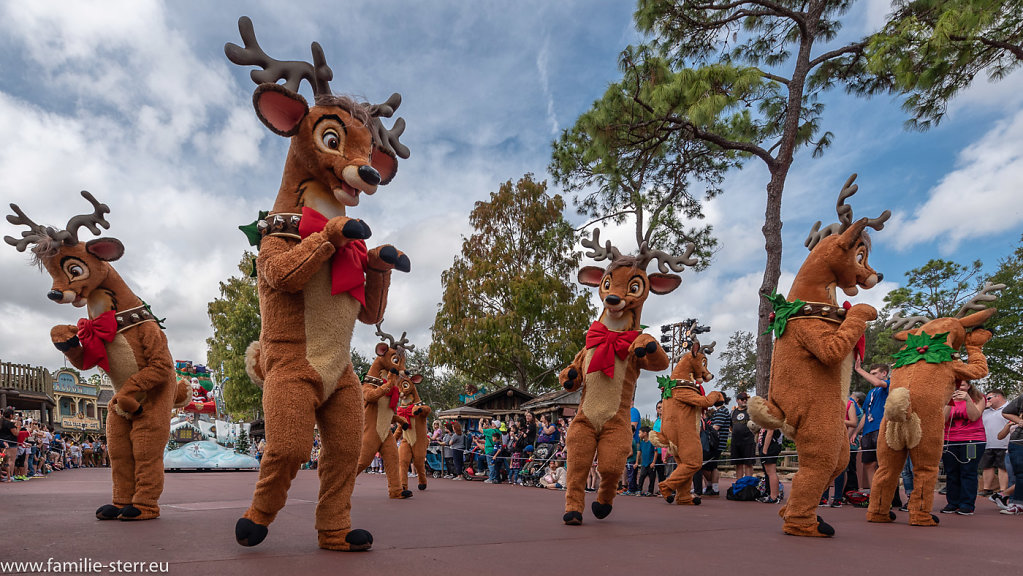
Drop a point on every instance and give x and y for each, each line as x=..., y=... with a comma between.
x=665, y=260
x=845, y=217
x=985, y=295
x=401, y=344
x=898, y=322
x=598, y=252
x=68, y=236
x=384, y=335
x=386, y=139
x=709, y=348
x=291, y=71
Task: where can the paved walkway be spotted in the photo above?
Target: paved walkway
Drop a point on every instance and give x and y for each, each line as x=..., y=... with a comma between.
x=459, y=527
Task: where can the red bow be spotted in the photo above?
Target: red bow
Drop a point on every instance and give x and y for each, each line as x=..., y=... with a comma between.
x=609, y=344
x=92, y=334
x=348, y=268
x=395, y=394
x=406, y=413
x=861, y=345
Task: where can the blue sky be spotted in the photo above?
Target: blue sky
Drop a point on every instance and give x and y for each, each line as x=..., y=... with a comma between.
x=136, y=102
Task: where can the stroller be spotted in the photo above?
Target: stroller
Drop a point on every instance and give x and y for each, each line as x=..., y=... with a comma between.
x=435, y=461
x=534, y=466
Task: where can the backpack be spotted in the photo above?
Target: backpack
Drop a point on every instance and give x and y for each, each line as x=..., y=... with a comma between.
x=857, y=499
x=709, y=440
x=745, y=489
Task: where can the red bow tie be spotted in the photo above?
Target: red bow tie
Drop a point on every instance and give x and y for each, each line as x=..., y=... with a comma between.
x=406, y=412
x=861, y=345
x=348, y=267
x=609, y=344
x=395, y=394
x=92, y=334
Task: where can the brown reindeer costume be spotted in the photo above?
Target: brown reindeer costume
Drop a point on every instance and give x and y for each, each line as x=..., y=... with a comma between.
x=414, y=438
x=683, y=403
x=812, y=361
x=125, y=340
x=923, y=380
x=380, y=391
x=316, y=277
x=608, y=367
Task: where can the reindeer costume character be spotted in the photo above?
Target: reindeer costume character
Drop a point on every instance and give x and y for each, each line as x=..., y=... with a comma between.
x=381, y=391
x=125, y=340
x=607, y=368
x=812, y=361
x=683, y=403
x=925, y=374
x=414, y=438
x=316, y=278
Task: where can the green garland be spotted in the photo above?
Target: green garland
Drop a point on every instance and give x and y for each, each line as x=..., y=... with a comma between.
x=666, y=384
x=931, y=349
x=783, y=310
x=255, y=238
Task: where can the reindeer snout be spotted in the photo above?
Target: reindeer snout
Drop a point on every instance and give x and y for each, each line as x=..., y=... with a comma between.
x=55, y=295
x=612, y=299
x=880, y=276
x=369, y=175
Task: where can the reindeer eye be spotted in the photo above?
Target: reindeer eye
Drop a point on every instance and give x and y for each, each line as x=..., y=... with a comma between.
x=331, y=140
x=859, y=258
x=394, y=359
x=634, y=288
x=75, y=270
x=607, y=283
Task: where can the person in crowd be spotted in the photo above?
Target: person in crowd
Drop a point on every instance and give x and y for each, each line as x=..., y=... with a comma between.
x=721, y=421
x=769, y=443
x=76, y=455
x=992, y=463
x=447, y=454
x=498, y=458
x=87, y=452
x=1013, y=431
x=9, y=426
x=743, y=441
x=629, y=476
x=661, y=465
x=548, y=432
x=878, y=378
x=457, y=444
x=593, y=478
x=530, y=428
x=437, y=433
x=964, y=439
x=21, y=463
x=646, y=462
x=554, y=479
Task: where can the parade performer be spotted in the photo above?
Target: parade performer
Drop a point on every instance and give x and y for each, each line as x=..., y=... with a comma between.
x=926, y=371
x=607, y=368
x=414, y=437
x=123, y=338
x=813, y=357
x=315, y=278
x=683, y=403
x=380, y=393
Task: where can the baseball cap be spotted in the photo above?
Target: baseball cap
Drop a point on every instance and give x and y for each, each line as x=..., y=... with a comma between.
x=742, y=396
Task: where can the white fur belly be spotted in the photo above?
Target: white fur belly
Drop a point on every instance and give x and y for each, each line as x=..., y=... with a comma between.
x=329, y=321
x=123, y=364
x=847, y=367
x=602, y=396
x=384, y=417
x=410, y=434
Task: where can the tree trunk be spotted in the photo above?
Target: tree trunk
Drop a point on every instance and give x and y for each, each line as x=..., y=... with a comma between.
x=772, y=271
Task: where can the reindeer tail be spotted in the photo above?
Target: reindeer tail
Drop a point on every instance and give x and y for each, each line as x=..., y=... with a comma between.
x=182, y=393
x=253, y=364
x=902, y=428
x=762, y=412
x=658, y=440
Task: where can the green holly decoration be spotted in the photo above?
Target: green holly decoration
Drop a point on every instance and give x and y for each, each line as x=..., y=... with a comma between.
x=252, y=230
x=783, y=310
x=159, y=321
x=931, y=349
x=666, y=384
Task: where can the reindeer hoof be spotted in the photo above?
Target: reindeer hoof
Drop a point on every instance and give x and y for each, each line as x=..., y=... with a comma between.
x=359, y=539
x=129, y=512
x=68, y=344
x=108, y=512
x=601, y=511
x=403, y=264
x=422, y=486
x=356, y=230
x=697, y=501
x=826, y=529
x=404, y=425
x=406, y=494
x=248, y=533
x=573, y=518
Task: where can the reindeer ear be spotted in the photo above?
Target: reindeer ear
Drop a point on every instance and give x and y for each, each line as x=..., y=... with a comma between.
x=901, y=336
x=280, y=109
x=385, y=164
x=106, y=249
x=417, y=378
x=382, y=348
x=591, y=276
x=696, y=348
x=664, y=283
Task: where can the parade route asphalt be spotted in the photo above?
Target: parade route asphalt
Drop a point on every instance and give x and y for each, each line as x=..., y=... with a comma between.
x=460, y=527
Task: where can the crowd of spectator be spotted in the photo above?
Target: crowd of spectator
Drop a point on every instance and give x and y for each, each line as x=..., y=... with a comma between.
x=29, y=449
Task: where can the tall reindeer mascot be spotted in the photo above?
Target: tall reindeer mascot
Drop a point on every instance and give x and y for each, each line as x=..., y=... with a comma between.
x=414, y=438
x=683, y=403
x=381, y=392
x=125, y=340
x=812, y=361
x=315, y=278
x=926, y=370
x=607, y=369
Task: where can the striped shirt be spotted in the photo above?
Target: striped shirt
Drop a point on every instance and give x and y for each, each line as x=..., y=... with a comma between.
x=722, y=418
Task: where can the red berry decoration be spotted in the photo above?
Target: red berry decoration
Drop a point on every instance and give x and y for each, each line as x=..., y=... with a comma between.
x=921, y=349
x=772, y=316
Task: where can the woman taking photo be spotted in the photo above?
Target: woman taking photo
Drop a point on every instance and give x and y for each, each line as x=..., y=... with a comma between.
x=964, y=443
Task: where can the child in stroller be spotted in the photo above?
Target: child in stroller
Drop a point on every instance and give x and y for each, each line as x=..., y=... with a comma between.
x=536, y=462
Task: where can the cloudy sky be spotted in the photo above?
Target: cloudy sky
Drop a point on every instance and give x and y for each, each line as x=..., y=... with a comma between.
x=136, y=102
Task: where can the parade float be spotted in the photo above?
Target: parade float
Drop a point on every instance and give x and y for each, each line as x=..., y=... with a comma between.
x=200, y=437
